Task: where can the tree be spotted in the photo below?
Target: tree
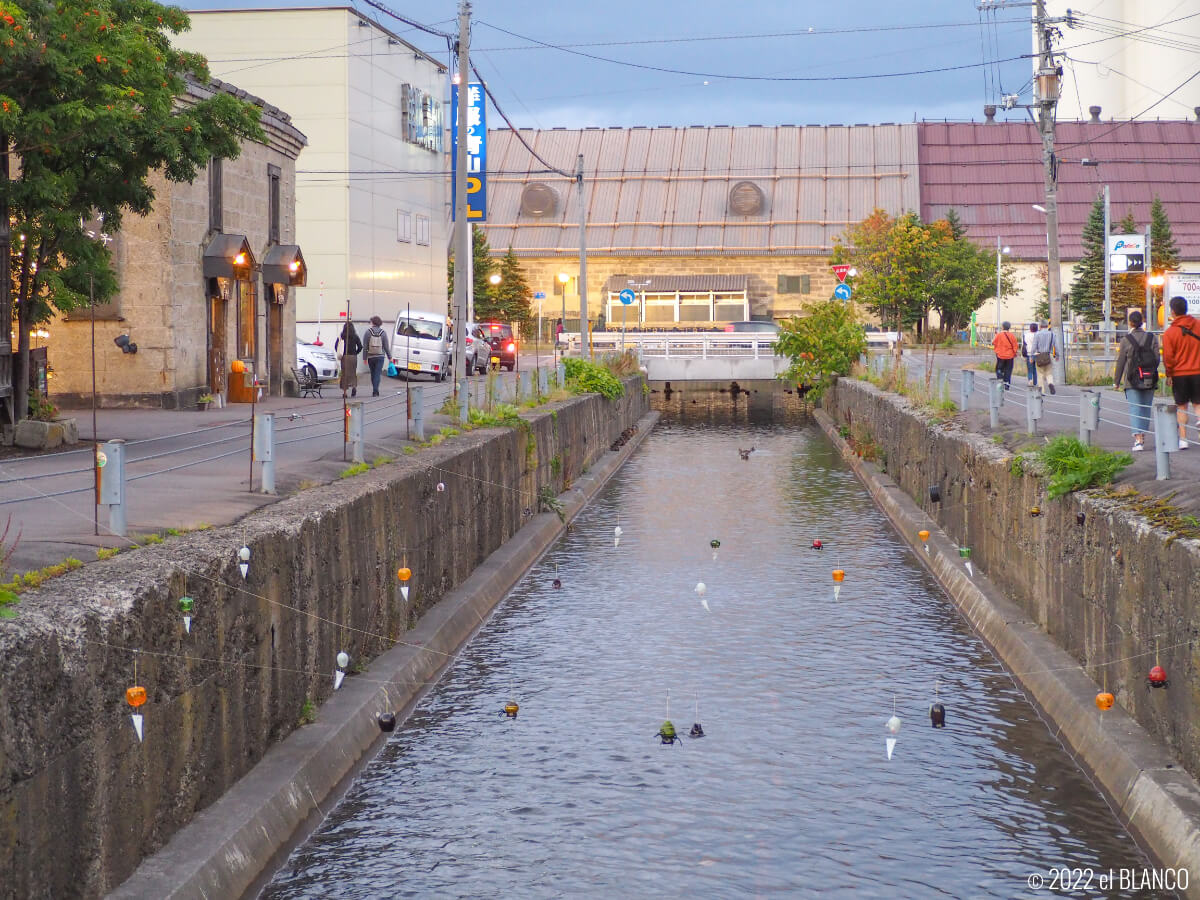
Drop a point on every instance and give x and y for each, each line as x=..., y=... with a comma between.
x=1087, y=290
x=1126, y=290
x=89, y=108
x=891, y=256
x=961, y=277
x=1163, y=252
x=826, y=341
x=482, y=268
x=958, y=231
x=509, y=300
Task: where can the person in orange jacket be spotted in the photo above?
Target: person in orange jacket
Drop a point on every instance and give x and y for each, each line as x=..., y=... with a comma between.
x=1181, y=359
x=1006, y=345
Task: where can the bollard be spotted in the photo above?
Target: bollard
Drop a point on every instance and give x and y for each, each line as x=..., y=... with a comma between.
x=543, y=381
x=1166, y=438
x=264, y=449
x=966, y=388
x=995, y=398
x=1089, y=415
x=418, y=412
x=112, y=484
x=1033, y=411
x=862, y=360
x=562, y=375
x=943, y=385
x=523, y=389
x=464, y=402
x=355, y=432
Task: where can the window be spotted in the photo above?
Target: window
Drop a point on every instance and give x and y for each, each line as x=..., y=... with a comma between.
x=273, y=174
x=404, y=227
x=245, y=319
x=794, y=284
x=215, y=211
x=423, y=230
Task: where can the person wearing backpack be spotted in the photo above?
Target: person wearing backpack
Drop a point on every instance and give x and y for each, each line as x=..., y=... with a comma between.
x=1137, y=372
x=376, y=351
x=1181, y=359
x=1044, y=352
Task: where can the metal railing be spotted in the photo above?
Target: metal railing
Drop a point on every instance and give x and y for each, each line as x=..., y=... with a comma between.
x=682, y=344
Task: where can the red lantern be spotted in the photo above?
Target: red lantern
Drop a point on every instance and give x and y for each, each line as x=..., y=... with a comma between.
x=1104, y=700
x=1157, y=677
x=816, y=545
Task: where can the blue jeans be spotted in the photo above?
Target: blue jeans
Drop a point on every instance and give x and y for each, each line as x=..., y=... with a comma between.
x=1030, y=371
x=1139, y=408
x=376, y=363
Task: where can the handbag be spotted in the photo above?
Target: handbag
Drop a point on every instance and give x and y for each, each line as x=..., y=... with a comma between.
x=1042, y=359
x=392, y=370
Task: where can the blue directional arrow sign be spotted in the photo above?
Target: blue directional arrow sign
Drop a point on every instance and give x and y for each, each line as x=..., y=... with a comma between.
x=627, y=296
x=842, y=291
x=540, y=295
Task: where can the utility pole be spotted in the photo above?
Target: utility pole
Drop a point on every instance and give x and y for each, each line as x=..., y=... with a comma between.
x=462, y=229
x=1149, y=283
x=584, y=332
x=1107, y=276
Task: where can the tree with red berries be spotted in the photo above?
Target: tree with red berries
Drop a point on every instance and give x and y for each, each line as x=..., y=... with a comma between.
x=90, y=107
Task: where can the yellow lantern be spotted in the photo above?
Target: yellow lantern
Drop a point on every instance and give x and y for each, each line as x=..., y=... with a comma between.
x=135, y=696
x=839, y=576
x=923, y=535
x=404, y=573
x=1104, y=700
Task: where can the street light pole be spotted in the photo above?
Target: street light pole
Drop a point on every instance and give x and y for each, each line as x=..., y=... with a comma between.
x=1107, y=277
x=585, y=335
x=462, y=225
x=999, y=252
x=1046, y=80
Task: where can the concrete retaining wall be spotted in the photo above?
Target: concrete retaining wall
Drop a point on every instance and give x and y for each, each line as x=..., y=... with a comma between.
x=1067, y=606
x=82, y=801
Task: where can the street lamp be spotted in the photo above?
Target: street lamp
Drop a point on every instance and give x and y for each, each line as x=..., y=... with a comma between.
x=1000, y=251
x=494, y=278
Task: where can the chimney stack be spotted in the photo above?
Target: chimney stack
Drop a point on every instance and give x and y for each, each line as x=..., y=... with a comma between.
x=1095, y=111
x=1196, y=110
x=989, y=113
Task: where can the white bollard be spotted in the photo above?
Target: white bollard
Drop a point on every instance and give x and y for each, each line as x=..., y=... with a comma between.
x=264, y=449
x=112, y=484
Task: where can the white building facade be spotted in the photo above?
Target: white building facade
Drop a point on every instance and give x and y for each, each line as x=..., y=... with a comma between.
x=372, y=195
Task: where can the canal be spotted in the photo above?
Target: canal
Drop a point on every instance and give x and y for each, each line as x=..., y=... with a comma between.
x=790, y=791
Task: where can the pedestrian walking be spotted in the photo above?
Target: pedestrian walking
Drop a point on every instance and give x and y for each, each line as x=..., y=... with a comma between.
x=1044, y=353
x=376, y=351
x=351, y=347
x=558, y=332
x=1027, y=352
x=1181, y=359
x=1137, y=373
x=1005, y=344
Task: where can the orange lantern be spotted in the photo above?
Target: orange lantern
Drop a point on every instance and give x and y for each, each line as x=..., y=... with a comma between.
x=135, y=696
x=404, y=573
x=923, y=535
x=1104, y=700
x=238, y=367
x=839, y=576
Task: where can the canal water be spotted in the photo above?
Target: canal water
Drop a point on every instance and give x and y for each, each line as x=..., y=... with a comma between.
x=790, y=791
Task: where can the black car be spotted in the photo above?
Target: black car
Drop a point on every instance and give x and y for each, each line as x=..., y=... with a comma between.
x=503, y=344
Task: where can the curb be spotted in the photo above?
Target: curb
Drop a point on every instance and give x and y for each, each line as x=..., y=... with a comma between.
x=231, y=846
x=1155, y=799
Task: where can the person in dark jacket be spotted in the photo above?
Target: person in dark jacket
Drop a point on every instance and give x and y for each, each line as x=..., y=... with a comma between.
x=377, y=348
x=351, y=347
x=1138, y=381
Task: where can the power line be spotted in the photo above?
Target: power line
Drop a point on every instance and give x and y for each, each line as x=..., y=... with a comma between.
x=520, y=137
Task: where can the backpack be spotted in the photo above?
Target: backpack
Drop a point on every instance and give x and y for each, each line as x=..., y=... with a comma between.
x=1143, y=364
x=374, y=342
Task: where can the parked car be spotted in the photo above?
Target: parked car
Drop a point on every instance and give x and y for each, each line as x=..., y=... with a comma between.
x=421, y=345
x=321, y=361
x=477, y=350
x=503, y=345
x=759, y=327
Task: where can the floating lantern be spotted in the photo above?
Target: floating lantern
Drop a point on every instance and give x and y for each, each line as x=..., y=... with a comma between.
x=135, y=697
x=440, y=487
x=511, y=709
x=702, y=589
x=1157, y=677
x=556, y=583
x=1104, y=700
x=935, y=494
x=838, y=577
x=185, y=607
x=697, y=730
x=343, y=660
x=817, y=545
x=404, y=574
x=339, y=675
x=617, y=536
x=964, y=554
x=1080, y=518
x=667, y=733
x=387, y=721
x=1035, y=511
x=244, y=561
x=924, y=536
x=893, y=729
x=937, y=715
x=715, y=544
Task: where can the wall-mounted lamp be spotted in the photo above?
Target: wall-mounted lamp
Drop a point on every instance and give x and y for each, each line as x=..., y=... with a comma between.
x=126, y=345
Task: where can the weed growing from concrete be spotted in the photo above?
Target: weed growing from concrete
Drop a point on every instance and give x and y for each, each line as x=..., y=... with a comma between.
x=410, y=451
x=548, y=502
x=107, y=552
x=382, y=461
x=308, y=712
x=356, y=469
x=1073, y=465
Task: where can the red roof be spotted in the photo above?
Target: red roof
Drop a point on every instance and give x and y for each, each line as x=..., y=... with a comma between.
x=991, y=173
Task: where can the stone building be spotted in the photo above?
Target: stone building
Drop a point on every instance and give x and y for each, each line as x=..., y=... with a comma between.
x=206, y=278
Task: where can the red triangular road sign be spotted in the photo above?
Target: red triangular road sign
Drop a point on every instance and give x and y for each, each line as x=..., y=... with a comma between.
x=841, y=272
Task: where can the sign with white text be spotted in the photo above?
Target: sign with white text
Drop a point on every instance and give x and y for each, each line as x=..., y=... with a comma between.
x=476, y=151
x=1126, y=253
x=1186, y=285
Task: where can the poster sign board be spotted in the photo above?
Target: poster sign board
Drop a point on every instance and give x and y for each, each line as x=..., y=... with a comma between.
x=1186, y=285
x=476, y=152
x=1126, y=253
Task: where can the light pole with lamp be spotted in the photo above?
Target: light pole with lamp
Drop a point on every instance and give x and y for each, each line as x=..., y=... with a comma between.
x=563, y=278
x=1000, y=252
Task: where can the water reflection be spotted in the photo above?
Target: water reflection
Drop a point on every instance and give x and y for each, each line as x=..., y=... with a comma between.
x=791, y=791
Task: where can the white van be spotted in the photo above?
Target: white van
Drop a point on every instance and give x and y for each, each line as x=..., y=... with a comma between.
x=422, y=344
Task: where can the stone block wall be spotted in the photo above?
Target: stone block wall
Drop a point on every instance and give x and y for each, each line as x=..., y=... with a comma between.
x=1110, y=591
x=81, y=800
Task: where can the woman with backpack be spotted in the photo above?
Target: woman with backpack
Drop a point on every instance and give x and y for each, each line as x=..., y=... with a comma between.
x=376, y=351
x=1137, y=372
x=351, y=347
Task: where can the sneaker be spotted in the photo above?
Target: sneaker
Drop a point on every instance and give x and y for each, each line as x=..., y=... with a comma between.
x=1182, y=444
x=1051, y=387
x=1139, y=445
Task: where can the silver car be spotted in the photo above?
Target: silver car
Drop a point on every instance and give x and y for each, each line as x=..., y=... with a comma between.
x=321, y=362
x=477, y=350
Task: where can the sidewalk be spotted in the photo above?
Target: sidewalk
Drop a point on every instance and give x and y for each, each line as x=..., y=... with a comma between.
x=1060, y=414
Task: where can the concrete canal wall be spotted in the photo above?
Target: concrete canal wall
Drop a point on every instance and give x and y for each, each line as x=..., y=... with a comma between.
x=1069, y=607
x=82, y=802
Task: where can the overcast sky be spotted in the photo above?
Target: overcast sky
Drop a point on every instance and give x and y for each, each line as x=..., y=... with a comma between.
x=541, y=87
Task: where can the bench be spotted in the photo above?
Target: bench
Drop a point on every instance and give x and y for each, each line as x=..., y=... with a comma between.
x=306, y=382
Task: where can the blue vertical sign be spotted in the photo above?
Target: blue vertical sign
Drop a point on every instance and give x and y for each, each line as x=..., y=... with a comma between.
x=476, y=151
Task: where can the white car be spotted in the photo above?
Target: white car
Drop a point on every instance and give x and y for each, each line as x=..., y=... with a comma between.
x=321, y=361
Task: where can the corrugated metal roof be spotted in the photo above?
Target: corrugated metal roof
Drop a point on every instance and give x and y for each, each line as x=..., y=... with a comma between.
x=992, y=174
x=667, y=190
x=655, y=284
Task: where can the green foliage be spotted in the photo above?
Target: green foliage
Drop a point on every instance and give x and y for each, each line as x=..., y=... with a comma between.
x=450, y=431
x=1074, y=466
x=1087, y=290
x=587, y=377
x=409, y=451
x=621, y=364
x=152, y=539
x=548, y=502
x=382, y=461
x=356, y=469
x=89, y=102
x=449, y=407
x=504, y=415
x=107, y=552
x=1164, y=254
x=308, y=712
x=508, y=301
x=1017, y=467
x=825, y=342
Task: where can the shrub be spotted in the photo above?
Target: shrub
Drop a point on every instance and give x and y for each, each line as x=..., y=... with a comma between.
x=825, y=342
x=1074, y=466
x=587, y=377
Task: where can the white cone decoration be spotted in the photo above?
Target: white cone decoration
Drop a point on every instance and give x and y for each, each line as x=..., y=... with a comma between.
x=617, y=532
x=893, y=729
x=338, y=677
x=187, y=624
x=244, y=565
x=704, y=603
x=970, y=571
x=837, y=590
x=137, y=725
x=926, y=548
x=891, y=745
x=404, y=591
x=714, y=554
